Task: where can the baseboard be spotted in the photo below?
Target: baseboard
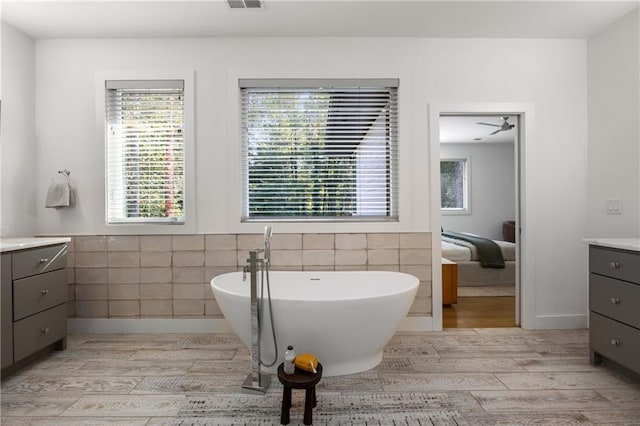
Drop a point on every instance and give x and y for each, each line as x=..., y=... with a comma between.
x=417, y=324
x=147, y=325
x=185, y=325
x=561, y=321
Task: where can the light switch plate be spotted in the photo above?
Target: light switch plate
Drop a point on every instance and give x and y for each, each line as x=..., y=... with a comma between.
x=614, y=206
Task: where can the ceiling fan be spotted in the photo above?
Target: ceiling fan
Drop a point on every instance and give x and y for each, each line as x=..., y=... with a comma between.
x=503, y=128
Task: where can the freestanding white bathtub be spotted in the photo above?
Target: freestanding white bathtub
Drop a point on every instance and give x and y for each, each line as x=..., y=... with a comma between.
x=343, y=318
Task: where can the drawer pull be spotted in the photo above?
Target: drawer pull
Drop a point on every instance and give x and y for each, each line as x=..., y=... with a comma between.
x=45, y=330
x=615, y=265
x=45, y=292
x=62, y=252
x=615, y=300
x=615, y=342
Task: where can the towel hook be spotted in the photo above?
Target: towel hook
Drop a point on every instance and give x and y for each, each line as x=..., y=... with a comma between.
x=66, y=174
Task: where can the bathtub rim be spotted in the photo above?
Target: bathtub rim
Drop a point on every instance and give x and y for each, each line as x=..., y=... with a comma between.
x=402, y=290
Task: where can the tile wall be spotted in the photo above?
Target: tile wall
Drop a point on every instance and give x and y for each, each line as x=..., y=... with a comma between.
x=168, y=276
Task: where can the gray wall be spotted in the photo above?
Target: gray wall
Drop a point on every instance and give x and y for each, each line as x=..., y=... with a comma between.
x=613, y=58
x=492, y=187
x=18, y=138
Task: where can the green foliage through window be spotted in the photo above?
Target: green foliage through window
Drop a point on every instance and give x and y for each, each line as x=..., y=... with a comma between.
x=145, y=147
x=453, y=184
x=313, y=153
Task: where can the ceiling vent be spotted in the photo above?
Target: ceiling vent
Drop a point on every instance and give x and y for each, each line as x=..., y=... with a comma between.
x=244, y=4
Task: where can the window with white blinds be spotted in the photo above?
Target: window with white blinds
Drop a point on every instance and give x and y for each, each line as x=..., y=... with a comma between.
x=145, y=163
x=320, y=149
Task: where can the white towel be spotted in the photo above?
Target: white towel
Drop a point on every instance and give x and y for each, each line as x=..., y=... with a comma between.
x=58, y=195
x=72, y=196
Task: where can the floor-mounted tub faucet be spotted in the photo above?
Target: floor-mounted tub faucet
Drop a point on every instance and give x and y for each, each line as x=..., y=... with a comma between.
x=257, y=381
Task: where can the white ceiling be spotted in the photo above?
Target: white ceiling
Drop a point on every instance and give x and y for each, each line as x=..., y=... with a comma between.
x=465, y=129
x=314, y=18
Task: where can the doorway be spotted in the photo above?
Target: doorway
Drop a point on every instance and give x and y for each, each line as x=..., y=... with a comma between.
x=480, y=197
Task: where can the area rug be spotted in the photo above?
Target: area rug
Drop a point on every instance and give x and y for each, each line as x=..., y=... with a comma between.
x=486, y=291
x=334, y=408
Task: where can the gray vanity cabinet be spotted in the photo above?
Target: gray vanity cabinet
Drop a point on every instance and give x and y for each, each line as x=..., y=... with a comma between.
x=614, y=305
x=34, y=302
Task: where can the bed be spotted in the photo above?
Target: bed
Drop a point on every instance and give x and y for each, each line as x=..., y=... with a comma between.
x=470, y=270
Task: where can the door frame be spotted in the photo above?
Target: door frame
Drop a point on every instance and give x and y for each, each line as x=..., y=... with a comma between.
x=525, y=291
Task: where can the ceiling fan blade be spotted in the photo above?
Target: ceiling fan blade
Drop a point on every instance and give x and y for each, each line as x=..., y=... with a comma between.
x=490, y=124
x=497, y=131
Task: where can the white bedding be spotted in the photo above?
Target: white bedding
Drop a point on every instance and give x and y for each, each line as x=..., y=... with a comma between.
x=473, y=274
x=462, y=251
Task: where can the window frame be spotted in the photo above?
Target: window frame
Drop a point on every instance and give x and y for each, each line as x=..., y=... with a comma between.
x=466, y=190
x=393, y=193
x=150, y=226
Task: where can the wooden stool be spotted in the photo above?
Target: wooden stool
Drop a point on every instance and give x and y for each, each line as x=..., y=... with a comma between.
x=299, y=380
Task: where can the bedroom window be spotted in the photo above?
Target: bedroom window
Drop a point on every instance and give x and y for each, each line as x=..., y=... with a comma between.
x=145, y=164
x=454, y=186
x=319, y=149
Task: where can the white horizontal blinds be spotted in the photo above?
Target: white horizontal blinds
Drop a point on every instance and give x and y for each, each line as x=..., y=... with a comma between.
x=320, y=149
x=145, y=151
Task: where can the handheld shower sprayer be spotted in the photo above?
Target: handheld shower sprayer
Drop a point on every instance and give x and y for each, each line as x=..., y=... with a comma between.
x=267, y=243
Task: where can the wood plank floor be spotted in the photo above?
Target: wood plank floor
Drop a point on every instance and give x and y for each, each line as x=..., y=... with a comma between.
x=455, y=377
x=480, y=312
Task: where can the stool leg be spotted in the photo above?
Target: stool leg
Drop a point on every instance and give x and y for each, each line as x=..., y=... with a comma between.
x=286, y=405
x=308, y=406
x=315, y=401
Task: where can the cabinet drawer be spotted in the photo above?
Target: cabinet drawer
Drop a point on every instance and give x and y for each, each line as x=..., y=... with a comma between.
x=36, y=261
x=615, y=299
x=616, y=341
x=38, y=331
x=39, y=292
x=620, y=264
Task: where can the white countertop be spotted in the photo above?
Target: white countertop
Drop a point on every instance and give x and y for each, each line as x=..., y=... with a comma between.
x=632, y=244
x=12, y=244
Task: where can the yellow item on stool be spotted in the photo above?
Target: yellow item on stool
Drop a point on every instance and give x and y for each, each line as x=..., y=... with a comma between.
x=307, y=362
